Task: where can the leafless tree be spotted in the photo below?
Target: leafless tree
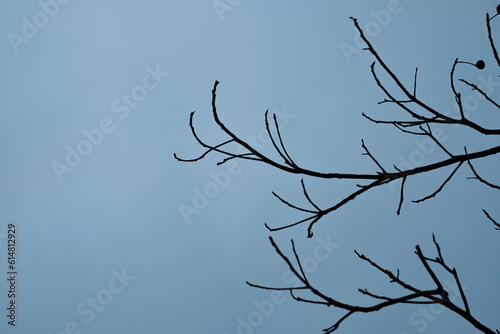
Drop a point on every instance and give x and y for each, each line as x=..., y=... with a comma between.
x=417, y=119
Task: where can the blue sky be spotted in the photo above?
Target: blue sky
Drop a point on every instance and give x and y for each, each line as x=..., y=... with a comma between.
x=96, y=98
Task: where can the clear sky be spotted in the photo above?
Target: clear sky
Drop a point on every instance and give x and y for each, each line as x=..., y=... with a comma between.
x=115, y=236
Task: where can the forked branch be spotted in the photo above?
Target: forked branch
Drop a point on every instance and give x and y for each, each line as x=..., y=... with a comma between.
x=421, y=115
x=436, y=295
x=377, y=178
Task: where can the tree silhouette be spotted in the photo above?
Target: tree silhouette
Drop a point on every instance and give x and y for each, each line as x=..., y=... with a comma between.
x=418, y=119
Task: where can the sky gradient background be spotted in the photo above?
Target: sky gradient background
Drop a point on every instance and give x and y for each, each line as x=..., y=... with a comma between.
x=111, y=230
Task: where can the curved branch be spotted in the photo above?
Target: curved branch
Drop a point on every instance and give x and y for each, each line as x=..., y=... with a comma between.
x=434, y=296
x=493, y=48
x=441, y=118
x=476, y=175
x=492, y=220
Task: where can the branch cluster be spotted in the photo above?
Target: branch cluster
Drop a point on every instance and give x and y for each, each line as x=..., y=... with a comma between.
x=414, y=295
x=421, y=118
x=418, y=119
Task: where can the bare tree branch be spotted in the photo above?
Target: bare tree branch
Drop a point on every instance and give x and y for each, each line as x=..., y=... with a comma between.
x=493, y=48
x=416, y=296
x=428, y=132
x=401, y=197
x=371, y=156
x=492, y=220
x=476, y=175
x=419, y=120
x=378, y=178
x=476, y=88
x=441, y=187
